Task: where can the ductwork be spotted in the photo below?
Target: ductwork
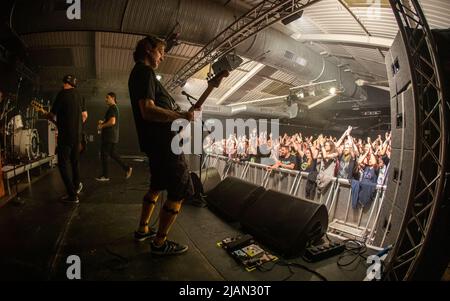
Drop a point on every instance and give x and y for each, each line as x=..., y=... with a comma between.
x=247, y=110
x=283, y=52
x=200, y=20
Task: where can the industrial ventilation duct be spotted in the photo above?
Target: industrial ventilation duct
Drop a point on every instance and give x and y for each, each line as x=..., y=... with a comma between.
x=226, y=111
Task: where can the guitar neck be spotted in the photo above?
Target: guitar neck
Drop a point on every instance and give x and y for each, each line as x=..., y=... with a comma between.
x=203, y=97
x=39, y=109
x=212, y=83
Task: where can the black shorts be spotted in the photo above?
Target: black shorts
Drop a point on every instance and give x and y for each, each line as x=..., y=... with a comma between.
x=170, y=172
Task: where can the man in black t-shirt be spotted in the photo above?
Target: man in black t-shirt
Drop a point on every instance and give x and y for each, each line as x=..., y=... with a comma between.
x=285, y=160
x=154, y=110
x=109, y=128
x=70, y=112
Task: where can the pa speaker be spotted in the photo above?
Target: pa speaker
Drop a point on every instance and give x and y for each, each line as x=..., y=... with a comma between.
x=403, y=120
x=232, y=196
x=398, y=71
x=285, y=223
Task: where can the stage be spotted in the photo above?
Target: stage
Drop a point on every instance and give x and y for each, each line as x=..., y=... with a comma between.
x=37, y=237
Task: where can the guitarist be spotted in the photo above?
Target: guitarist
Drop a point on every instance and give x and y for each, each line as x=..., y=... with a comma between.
x=154, y=110
x=70, y=112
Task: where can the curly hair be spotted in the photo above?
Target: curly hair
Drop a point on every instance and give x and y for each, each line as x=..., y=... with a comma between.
x=145, y=45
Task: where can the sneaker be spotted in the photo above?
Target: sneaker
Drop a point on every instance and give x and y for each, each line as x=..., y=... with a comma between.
x=102, y=179
x=80, y=187
x=141, y=236
x=129, y=172
x=168, y=248
x=70, y=200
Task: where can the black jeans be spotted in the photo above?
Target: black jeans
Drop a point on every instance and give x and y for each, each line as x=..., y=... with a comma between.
x=68, y=164
x=109, y=150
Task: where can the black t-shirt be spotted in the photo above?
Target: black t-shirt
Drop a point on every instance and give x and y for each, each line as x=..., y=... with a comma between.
x=289, y=160
x=142, y=84
x=307, y=166
x=67, y=107
x=111, y=134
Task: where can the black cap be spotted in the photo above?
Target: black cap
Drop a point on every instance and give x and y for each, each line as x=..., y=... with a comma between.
x=70, y=79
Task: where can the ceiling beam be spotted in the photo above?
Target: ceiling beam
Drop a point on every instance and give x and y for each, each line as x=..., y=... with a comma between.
x=272, y=99
x=344, y=4
x=241, y=82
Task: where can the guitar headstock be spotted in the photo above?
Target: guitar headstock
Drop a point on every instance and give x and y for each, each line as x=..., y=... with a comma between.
x=217, y=79
x=38, y=106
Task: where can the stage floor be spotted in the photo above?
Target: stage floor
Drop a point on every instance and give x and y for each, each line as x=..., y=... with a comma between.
x=37, y=237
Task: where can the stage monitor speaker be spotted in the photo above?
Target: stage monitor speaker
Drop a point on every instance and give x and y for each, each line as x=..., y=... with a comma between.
x=210, y=178
x=232, y=196
x=285, y=223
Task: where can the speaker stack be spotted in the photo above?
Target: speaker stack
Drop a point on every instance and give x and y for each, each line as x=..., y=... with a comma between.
x=280, y=221
x=403, y=144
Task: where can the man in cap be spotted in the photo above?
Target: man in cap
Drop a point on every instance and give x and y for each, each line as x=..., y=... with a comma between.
x=70, y=112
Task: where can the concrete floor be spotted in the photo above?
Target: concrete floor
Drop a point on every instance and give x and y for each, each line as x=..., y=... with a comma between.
x=37, y=237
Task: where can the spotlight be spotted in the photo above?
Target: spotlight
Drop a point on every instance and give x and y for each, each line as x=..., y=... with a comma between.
x=360, y=82
x=332, y=91
x=292, y=18
x=158, y=77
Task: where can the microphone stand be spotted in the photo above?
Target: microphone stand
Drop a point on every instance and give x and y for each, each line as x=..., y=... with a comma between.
x=202, y=201
x=16, y=200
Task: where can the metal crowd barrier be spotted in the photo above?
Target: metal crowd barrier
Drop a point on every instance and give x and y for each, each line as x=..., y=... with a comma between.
x=344, y=221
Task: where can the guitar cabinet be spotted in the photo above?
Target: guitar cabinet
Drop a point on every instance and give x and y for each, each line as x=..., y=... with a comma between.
x=47, y=136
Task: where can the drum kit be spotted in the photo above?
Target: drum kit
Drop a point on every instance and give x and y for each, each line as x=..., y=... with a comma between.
x=20, y=138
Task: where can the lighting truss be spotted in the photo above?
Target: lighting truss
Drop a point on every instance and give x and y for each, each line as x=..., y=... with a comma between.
x=255, y=20
x=432, y=140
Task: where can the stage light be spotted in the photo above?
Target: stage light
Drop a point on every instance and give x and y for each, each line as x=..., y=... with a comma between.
x=360, y=82
x=292, y=18
x=158, y=77
x=332, y=91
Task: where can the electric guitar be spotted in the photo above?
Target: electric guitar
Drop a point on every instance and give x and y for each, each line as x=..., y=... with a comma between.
x=184, y=133
x=212, y=84
x=40, y=108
